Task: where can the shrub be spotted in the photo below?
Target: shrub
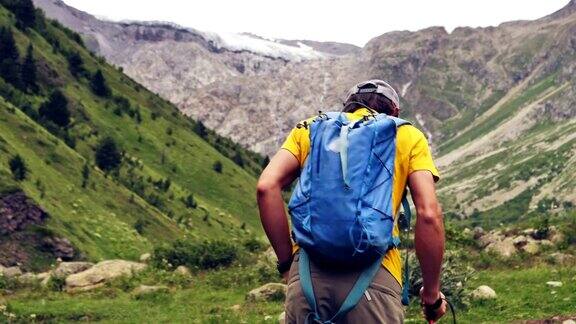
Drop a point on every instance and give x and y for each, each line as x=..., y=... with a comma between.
x=99, y=85
x=253, y=245
x=56, y=109
x=455, y=274
x=195, y=255
x=217, y=166
x=140, y=225
x=56, y=283
x=75, y=64
x=190, y=202
x=237, y=158
x=18, y=168
x=108, y=156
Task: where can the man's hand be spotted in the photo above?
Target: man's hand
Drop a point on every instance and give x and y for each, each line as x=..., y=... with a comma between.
x=285, y=276
x=428, y=237
x=280, y=172
x=431, y=314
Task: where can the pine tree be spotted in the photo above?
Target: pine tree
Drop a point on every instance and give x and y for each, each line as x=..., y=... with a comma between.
x=8, y=48
x=75, y=64
x=9, y=57
x=23, y=10
x=56, y=109
x=200, y=129
x=85, y=175
x=18, y=168
x=265, y=162
x=108, y=156
x=10, y=71
x=237, y=158
x=99, y=85
x=25, y=13
x=28, y=71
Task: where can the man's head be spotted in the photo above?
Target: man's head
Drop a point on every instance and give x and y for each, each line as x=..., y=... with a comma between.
x=374, y=94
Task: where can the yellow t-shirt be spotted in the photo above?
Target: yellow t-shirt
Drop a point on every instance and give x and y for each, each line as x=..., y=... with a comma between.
x=412, y=154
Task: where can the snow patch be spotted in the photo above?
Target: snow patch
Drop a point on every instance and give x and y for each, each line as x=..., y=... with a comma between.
x=423, y=123
x=241, y=42
x=405, y=88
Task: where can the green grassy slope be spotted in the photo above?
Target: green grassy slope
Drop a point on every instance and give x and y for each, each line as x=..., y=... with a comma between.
x=161, y=146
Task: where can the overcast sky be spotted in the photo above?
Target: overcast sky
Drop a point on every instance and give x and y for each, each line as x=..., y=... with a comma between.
x=353, y=22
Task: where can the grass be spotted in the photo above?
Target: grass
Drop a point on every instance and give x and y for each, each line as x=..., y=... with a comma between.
x=467, y=116
x=505, y=112
x=522, y=295
x=201, y=304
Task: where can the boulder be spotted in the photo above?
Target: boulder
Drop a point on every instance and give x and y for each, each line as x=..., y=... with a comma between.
x=43, y=275
x=183, y=270
x=488, y=239
x=557, y=238
x=520, y=241
x=546, y=243
x=269, y=292
x=143, y=291
x=104, y=271
x=503, y=248
x=554, y=284
x=145, y=258
x=529, y=232
x=282, y=318
x=28, y=278
x=10, y=272
x=569, y=321
x=65, y=269
x=531, y=247
x=483, y=293
x=562, y=258
x=478, y=232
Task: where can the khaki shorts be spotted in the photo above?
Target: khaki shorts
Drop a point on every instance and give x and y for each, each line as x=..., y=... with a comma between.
x=380, y=304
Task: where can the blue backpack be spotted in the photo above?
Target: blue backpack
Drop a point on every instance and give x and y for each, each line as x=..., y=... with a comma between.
x=341, y=208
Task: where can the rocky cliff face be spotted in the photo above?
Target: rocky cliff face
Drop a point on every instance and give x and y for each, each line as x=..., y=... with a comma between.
x=476, y=92
x=21, y=243
x=17, y=212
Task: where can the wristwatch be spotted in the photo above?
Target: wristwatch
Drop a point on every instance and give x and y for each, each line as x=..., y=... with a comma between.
x=430, y=309
x=284, y=265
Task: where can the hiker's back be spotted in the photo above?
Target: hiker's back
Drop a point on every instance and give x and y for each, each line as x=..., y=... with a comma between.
x=342, y=208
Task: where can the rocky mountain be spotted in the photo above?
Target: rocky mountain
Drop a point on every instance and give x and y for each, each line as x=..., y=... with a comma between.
x=484, y=96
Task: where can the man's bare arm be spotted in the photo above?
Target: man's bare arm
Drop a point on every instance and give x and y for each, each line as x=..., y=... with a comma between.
x=280, y=172
x=429, y=233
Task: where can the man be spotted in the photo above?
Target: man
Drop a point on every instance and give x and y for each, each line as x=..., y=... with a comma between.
x=413, y=167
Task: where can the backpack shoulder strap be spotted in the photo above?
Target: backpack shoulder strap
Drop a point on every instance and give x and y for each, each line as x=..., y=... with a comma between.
x=354, y=296
x=399, y=121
